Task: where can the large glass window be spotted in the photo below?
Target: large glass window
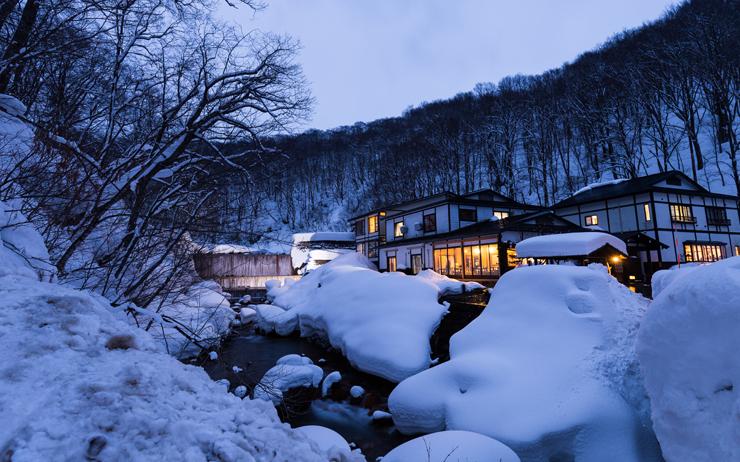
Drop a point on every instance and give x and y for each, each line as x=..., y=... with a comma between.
x=372, y=249
x=430, y=223
x=704, y=252
x=500, y=214
x=717, y=216
x=398, y=229
x=468, y=261
x=468, y=215
x=682, y=214
x=372, y=224
x=392, y=263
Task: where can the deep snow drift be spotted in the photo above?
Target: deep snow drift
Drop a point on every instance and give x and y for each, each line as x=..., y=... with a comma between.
x=548, y=368
x=381, y=322
x=452, y=446
x=689, y=351
x=80, y=383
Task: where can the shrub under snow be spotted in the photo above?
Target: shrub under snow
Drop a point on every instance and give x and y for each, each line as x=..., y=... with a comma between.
x=548, y=368
x=689, y=351
x=381, y=322
x=79, y=383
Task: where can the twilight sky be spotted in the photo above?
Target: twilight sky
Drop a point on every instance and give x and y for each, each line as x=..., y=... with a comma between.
x=367, y=59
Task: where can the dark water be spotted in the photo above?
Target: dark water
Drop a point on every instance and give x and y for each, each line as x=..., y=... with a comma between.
x=254, y=354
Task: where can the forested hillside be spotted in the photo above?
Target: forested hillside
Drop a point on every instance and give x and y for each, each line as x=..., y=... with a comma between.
x=663, y=96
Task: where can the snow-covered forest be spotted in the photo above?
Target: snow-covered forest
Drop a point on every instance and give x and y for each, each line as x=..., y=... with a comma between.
x=663, y=96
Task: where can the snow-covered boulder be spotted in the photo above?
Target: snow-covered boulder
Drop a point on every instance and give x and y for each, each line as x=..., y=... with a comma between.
x=78, y=382
x=452, y=446
x=381, y=322
x=332, y=443
x=689, y=351
x=290, y=371
x=548, y=368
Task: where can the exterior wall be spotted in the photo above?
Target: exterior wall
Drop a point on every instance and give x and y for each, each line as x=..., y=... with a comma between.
x=241, y=271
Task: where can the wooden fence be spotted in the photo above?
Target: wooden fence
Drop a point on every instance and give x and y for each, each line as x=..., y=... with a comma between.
x=237, y=271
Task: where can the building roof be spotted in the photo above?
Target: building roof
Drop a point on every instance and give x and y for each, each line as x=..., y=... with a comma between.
x=531, y=221
x=625, y=187
x=467, y=198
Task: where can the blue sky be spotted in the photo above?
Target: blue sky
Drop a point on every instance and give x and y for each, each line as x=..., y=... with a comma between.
x=370, y=59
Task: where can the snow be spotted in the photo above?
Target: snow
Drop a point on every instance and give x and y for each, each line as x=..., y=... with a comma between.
x=80, y=383
x=331, y=443
x=247, y=314
x=446, y=285
x=240, y=391
x=22, y=249
x=599, y=185
x=381, y=415
x=291, y=371
x=452, y=446
x=267, y=315
x=329, y=380
x=548, y=368
x=213, y=356
x=381, y=322
x=688, y=349
x=567, y=245
x=324, y=236
x=356, y=391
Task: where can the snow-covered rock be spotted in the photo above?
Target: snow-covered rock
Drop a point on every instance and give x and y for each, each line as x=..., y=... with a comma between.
x=331, y=443
x=78, y=382
x=446, y=285
x=330, y=379
x=291, y=371
x=240, y=391
x=548, y=368
x=452, y=446
x=356, y=391
x=381, y=322
x=689, y=351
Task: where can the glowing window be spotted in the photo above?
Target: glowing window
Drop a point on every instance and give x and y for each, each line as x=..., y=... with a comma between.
x=592, y=220
x=372, y=224
x=398, y=229
x=646, y=207
x=501, y=215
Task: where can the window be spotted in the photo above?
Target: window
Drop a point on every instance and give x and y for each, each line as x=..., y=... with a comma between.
x=359, y=227
x=717, y=216
x=592, y=220
x=682, y=214
x=468, y=215
x=361, y=248
x=392, y=263
x=469, y=261
x=737, y=250
x=372, y=249
x=704, y=251
x=372, y=224
x=430, y=223
x=415, y=264
x=398, y=229
x=500, y=215
x=646, y=208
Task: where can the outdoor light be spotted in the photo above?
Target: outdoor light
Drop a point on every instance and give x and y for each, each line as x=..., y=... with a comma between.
x=616, y=259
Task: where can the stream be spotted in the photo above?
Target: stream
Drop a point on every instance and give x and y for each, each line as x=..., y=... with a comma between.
x=247, y=354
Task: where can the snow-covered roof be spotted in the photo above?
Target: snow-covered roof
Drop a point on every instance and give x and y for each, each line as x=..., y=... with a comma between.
x=567, y=245
x=236, y=249
x=323, y=236
x=599, y=185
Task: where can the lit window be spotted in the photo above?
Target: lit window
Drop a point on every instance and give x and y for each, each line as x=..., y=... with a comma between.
x=682, y=214
x=372, y=224
x=647, y=212
x=392, y=263
x=430, y=223
x=704, y=252
x=398, y=229
x=501, y=215
x=592, y=220
x=737, y=250
x=468, y=215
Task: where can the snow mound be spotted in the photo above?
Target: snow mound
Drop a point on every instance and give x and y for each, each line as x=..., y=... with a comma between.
x=688, y=349
x=80, y=383
x=548, y=368
x=381, y=322
x=331, y=443
x=452, y=446
x=567, y=244
x=446, y=285
x=22, y=249
x=291, y=371
x=329, y=381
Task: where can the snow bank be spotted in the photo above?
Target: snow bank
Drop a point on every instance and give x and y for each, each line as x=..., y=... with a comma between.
x=22, y=249
x=688, y=348
x=381, y=322
x=452, y=446
x=567, y=244
x=446, y=285
x=202, y=311
x=291, y=371
x=548, y=368
x=80, y=383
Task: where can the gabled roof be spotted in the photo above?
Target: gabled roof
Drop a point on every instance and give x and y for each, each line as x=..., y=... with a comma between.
x=537, y=220
x=635, y=185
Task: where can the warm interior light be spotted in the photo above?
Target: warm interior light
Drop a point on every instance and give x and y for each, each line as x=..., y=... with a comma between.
x=632, y=277
x=616, y=259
